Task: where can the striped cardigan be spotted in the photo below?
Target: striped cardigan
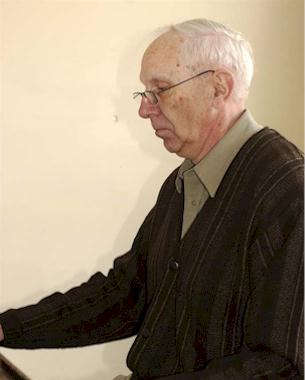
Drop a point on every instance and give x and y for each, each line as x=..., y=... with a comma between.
x=224, y=302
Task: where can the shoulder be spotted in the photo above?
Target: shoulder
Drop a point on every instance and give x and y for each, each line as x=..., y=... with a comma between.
x=280, y=162
x=276, y=175
x=269, y=161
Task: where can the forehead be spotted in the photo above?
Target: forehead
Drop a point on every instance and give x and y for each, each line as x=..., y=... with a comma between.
x=161, y=59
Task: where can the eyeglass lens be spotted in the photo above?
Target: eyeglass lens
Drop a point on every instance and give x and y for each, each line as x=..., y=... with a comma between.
x=149, y=95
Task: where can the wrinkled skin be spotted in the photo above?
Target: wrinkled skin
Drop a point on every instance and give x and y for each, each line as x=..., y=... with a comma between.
x=191, y=117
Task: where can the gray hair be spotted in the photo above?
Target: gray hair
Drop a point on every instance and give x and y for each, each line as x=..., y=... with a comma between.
x=218, y=46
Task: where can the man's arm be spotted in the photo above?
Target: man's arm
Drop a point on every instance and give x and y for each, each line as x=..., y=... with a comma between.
x=100, y=310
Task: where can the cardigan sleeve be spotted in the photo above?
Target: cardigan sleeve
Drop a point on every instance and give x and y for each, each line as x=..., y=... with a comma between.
x=100, y=310
x=273, y=326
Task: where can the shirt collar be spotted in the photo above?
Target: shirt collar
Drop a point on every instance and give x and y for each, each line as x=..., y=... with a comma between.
x=212, y=168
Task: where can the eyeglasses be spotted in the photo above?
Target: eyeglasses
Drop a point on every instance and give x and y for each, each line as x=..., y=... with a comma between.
x=152, y=96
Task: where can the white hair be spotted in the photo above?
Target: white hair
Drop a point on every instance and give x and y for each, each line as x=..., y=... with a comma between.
x=217, y=46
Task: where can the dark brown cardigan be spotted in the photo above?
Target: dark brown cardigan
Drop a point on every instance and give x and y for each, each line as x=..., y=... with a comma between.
x=225, y=302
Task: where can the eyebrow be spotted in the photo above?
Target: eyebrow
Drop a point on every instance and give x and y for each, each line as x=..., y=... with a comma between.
x=160, y=79
x=155, y=80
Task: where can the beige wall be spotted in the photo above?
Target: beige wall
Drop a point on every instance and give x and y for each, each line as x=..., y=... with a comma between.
x=79, y=170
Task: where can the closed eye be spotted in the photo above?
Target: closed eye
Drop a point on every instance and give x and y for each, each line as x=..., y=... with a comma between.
x=161, y=89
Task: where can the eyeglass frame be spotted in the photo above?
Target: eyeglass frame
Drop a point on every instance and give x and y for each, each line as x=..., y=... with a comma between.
x=154, y=94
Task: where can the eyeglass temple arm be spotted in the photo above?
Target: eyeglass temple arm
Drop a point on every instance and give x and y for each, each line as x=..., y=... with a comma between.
x=135, y=94
x=186, y=80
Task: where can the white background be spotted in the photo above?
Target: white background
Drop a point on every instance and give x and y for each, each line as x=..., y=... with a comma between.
x=79, y=169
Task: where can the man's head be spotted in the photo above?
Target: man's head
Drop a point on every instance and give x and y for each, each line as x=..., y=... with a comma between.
x=192, y=116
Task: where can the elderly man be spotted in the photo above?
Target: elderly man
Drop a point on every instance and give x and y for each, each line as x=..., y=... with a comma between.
x=212, y=285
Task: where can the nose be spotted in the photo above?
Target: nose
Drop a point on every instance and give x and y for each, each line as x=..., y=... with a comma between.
x=147, y=109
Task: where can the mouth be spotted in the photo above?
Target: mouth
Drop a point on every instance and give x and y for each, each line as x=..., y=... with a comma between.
x=161, y=131
x=157, y=128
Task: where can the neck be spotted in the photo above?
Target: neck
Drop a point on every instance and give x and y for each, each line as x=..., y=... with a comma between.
x=220, y=126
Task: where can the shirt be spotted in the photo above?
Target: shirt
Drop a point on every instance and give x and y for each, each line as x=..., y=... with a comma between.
x=202, y=180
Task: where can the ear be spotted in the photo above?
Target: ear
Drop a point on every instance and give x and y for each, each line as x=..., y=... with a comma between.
x=223, y=86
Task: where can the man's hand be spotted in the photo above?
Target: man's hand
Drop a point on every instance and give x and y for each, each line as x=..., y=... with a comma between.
x=1, y=334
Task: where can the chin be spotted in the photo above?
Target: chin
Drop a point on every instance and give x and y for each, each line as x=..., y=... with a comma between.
x=172, y=148
x=169, y=147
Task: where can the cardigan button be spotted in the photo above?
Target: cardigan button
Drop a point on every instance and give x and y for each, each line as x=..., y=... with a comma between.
x=145, y=332
x=173, y=265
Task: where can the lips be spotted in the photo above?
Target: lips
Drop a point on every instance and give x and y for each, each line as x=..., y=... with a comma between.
x=161, y=131
x=157, y=129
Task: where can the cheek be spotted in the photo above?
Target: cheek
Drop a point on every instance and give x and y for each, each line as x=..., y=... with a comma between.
x=184, y=111
x=181, y=106
x=172, y=110
x=180, y=112
x=191, y=118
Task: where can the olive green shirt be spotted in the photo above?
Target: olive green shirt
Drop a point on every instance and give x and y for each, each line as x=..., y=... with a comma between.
x=201, y=181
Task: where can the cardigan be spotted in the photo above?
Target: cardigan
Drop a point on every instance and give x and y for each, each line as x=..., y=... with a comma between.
x=223, y=302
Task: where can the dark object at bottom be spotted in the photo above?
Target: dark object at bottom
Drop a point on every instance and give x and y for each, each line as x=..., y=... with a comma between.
x=10, y=372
